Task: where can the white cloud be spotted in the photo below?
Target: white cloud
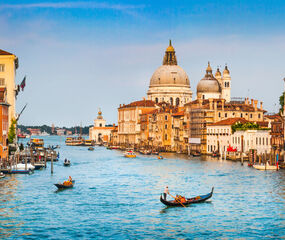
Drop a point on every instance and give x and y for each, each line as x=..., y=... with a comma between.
x=72, y=5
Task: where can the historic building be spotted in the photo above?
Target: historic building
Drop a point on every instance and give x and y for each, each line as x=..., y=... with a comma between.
x=170, y=83
x=220, y=136
x=100, y=132
x=8, y=67
x=4, y=125
x=129, y=128
x=218, y=87
x=200, y=113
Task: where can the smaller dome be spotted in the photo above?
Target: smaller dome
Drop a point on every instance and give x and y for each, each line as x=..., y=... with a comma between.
x=209, y=84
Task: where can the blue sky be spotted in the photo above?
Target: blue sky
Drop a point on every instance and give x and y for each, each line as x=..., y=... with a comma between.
x=82, y=55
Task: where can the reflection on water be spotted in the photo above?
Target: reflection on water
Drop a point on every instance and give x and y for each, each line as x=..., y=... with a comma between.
x=8, y=206
x=118, y=198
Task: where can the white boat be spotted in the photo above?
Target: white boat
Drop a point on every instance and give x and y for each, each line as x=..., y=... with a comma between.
x=2, y=175
x=265, y=167
x=21, y=166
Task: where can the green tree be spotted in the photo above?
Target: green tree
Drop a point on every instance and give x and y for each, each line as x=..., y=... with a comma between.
x=281, y=102
x=12, y=131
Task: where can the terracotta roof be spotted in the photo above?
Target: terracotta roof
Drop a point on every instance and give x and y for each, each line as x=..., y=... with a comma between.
x=181, y=113
x=229, y=121
x=104, y=128
x=142, y=103
x=2, y=52
x=230, y=106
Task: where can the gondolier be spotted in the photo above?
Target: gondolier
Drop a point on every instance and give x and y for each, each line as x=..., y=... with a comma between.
x=166, y=191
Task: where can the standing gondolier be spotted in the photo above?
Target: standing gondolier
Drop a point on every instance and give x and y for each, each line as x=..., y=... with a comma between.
x=166, y=191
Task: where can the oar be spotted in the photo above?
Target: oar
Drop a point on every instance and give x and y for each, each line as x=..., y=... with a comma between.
x=177, y=200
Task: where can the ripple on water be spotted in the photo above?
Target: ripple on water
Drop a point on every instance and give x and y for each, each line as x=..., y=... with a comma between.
x=118, y=198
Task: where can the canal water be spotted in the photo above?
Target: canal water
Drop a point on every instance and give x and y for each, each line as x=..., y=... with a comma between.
x=118, y=198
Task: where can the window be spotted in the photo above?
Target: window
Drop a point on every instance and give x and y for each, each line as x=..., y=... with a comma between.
x=171, y=101
x=100, y=125
x=156, y=100
x=225, y=84
x=219, y=114
x=2, y=67
x=259, y=115
x=241, y=115
x=259, y=141
x=165, y=126
x=250, y=115
x=263, y=142
x=2, y=82
x=165, y=117
x=177, y=101
x=256, y=141
x=165, y=137
x=226, y=115
x=266, y=141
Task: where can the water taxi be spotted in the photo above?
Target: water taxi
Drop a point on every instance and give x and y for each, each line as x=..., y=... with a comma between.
x=130, y=154
x=266, y=167
x=89, y=142
x=74, y=141
x=38, y=143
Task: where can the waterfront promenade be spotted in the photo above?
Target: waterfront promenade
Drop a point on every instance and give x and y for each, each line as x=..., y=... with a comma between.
x=118, y=198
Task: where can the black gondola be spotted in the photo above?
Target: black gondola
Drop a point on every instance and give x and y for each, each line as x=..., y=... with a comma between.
x=197, y=199
x=61, y=186
x=66, y=163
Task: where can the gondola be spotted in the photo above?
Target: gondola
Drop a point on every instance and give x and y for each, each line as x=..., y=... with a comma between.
x=197, y=199
x=61, y=186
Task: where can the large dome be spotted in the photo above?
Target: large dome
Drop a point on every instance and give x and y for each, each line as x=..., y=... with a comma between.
x=209, y=84
x=169, y=75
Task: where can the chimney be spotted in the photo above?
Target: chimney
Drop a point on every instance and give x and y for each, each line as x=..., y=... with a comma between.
x=211, y=103
x=261, y=105
x=120, y=105
x=144, y=98
x=255, y=105
x=245, y=101
x=251, y=102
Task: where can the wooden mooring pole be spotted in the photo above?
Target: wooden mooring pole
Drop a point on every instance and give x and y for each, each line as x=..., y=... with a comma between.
x=51, y=164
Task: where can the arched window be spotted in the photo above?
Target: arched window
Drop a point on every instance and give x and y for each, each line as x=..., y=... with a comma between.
x=225, y=84
x=156, y=100
x=177, y=101
x=171, y=101
x=100, y=125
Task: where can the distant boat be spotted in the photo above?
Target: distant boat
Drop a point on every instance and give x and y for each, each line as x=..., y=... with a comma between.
x=266, y=167
x=91, y=148
x=65, y=184
x=2, y=175
x=130, y=154
x=74, y=141
x=66, y=163
x=39, y=165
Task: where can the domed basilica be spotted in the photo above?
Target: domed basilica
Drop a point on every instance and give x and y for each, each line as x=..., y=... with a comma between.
x=170, y=83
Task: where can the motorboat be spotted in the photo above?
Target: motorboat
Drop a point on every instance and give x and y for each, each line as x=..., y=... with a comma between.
x=66, y=163
x=266, y=167
x=130, y=154
x=39, y=165
x=22, y=166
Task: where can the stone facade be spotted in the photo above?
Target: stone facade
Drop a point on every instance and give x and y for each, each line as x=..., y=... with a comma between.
x=100, y=133
x=8, y=66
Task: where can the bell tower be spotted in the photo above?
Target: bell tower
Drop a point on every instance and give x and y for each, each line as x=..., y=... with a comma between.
x=226, y=85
